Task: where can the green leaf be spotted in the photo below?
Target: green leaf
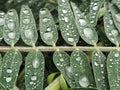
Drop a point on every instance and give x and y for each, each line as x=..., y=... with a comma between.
x=28, y=26
x=10, y=68
x=95, y=6
x=110, y=29
x=99, y=69
x=62, y=61
x=63, y=83
x=11, y=27
x=83, y=89
x=87, y=33
x=68, y=27
x=2, y=21
x=48, y=29
x=34, y=70
x=116, y=15
x=81, y=69
x=113, y=69
x=51, y=77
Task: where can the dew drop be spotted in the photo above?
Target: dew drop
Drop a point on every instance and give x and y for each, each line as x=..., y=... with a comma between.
x=88, y=32
x=11, y=25
x=11, y=35
x=114, y=32
x=111, y=22
x=96, y=64
x=48, y=29
x=117, y=16
x=61, y=59
x=8, y=79
x=31, y=83
x=69, y=69
x=33, y=78
x=71, y=39
x=66, y=19
x=82, y=22
x=48, y=36
x=43, y=12
x=28, y=33
x=25, y=11
x=11, y=13
x=102, y=65
x=2, y=21
x=9, y=71
x=84, y=81
x=64, y=11
x=95, y=8
x=45, y=20
x=36, y=63
x=78, y=59
x=116, y=55
x=63, y=0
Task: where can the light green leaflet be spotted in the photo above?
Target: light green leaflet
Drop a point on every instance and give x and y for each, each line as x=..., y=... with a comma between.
x=110, y=29
x=67, y=23
x=113, y=69
x=87, y=33
x=11, y=27
x=47, y=27
x=95, y=6
x=10, y=68
x=34, y=70
x=99, y=69
x=2, y=21
x=28, y=26
x=81, y=69
x=116, y=15
x=62, y=61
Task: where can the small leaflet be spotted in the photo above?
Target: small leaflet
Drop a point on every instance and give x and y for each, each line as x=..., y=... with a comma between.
x=87, y=33
x=11, y=31
x=2, y=21
x=111, y=31
x=115, y=15
x=34, y=70
x=99, y=69
x=47, y=27
x=62, y=61
x=28, y=26
x=81, y=69
x=67, y=24
x=113, y=69
x=95, y=6
x=10, y=68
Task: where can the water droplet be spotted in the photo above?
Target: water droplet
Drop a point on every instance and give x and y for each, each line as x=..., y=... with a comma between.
x=11, y=35
x=114, y=32
x=71, y=39
x=95, y=8
x=61, y=59
x=116, y=55
x=48, y=36
x=11, y=13
x=45, y=20
x=84, y=81
x=28, y=33
x=98, y=79
x=2, y=21
x=11, y=25
x=78, y=59
x=117, y=16
x=69, y=69
x=8, y=79
x=25, y=11
x=82, y=22
x=96, y=64
x=64, y=11
x=26, y=21
x=63, y=0
x=36, y=63
x=102, y=65
x=33, y=78
x=66, y=19
x=31, y=83
x=111, y=22
x=88, y=33
x=9, y=71
x=48, y=29
x=43, y=12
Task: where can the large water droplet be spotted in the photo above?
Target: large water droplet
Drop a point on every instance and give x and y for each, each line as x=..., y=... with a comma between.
x=11, y=35
x=61, y=59
x=25, y=11
x=8, y=79
x=2, y=21
x=64, y=11
x=82, y=22
x=95, y=8
x=84, y=81
x=96, y=64
x=116, y=55
x=33, y=78
x=114, y=32
x=78, y=59
x=11, y=13
x=9, y=71
x=28, y=33
x=71, y=39
x=36, y=63
x=11, y=25
x=45, y=20
x=66, y=19
x=63, y=0
x=69, y=69
x=88, y=33
x=43, y=12
x=48, y=29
